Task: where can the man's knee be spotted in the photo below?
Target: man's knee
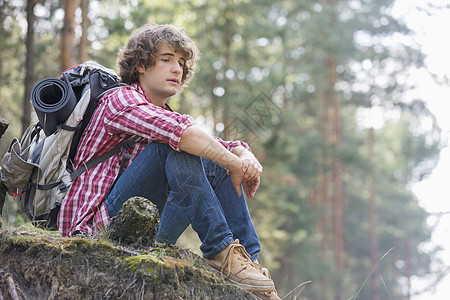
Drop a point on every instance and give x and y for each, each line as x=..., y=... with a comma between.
x=183, y=159
x=213, y=169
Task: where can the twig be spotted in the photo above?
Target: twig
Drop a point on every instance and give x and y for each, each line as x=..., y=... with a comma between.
x=300, y=285
x=385, y=286
x=14, y=292
x=371, y=271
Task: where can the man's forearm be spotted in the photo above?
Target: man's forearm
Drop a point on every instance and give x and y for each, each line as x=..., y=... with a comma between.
x=241, y=151
x=197, y=142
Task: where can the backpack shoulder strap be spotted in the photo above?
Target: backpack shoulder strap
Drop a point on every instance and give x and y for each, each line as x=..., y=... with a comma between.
x=99, y=159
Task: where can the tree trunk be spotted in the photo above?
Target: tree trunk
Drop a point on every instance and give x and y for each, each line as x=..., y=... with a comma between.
x=68, y=34
x=338, y=198
x=29, y=66
x=3, y=126
x=323, y=190
x=2, y=36
x=84, y=42
x=227, y=40
x=372, y=216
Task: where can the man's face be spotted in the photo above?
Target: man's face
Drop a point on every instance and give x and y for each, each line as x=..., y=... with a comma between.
x=163, y=79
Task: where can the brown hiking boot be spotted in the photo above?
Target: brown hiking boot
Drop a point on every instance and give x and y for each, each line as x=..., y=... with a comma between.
x=261, y=269
x=272, y=295
x=239, y=269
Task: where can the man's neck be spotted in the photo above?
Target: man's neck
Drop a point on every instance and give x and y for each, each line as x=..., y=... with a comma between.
x=161, y=102
x=158, y=101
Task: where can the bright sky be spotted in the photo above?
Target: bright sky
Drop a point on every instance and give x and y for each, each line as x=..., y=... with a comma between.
x=432, y=34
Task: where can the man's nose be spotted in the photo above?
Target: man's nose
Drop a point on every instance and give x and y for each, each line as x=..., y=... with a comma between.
x=177, y=68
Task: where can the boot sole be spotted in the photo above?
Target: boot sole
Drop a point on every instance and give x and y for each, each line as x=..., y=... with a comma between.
x=252, y=288
x=246, y=287
x=263, y=296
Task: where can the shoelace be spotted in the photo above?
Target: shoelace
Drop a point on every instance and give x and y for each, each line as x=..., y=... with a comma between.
x=229, y=258
x=262, y=270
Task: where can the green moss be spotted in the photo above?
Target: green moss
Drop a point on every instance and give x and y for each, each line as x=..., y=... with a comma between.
x=35, y=242
x=166, y=251
x=146, y=263
x=41, y=241
x=165, y=264
x=77, y=244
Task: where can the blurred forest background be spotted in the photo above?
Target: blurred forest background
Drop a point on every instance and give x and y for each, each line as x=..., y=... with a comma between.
x=317, y=89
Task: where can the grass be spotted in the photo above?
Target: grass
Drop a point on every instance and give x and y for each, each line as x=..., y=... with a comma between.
x=301, y=286
x=294, y=293
x=370, y=274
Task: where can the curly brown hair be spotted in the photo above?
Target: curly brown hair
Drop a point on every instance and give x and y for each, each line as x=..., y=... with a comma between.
x=143, y=46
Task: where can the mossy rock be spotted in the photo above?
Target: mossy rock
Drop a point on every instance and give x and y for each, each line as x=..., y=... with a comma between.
x=123, y=262
x=46, y=266
x=135, y=224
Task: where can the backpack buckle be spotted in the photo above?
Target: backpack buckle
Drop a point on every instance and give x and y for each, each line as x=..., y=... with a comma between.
x=83, y=67
x=62, y=187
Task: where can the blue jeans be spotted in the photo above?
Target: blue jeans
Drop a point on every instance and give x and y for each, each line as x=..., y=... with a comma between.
x=187, y=190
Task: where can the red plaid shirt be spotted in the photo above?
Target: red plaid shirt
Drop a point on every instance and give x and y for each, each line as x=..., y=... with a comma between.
x=121, y=114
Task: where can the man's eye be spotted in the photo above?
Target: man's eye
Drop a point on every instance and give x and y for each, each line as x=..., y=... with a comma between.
x=181, y=64
x=165, y=59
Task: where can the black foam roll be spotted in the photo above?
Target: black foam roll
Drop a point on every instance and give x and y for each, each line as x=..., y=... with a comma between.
x=53, y=100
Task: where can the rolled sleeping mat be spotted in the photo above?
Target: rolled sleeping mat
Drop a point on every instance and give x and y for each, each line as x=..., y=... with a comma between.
x=53, y=100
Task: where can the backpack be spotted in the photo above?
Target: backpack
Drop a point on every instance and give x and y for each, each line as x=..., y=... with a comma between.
x=37, y=169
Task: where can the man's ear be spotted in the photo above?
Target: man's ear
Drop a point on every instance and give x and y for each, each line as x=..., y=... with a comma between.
x=140, y=68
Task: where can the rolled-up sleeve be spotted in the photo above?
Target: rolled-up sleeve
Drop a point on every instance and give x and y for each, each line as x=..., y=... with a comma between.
x=184, y=121
x=139, y=117
x=231, y=145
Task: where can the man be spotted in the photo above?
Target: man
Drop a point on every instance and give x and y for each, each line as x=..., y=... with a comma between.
x=192, y=177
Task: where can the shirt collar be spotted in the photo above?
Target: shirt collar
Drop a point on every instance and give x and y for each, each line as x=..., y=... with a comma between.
x=139, y=88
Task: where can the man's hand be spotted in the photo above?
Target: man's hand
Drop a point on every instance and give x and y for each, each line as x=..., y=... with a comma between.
x=237, y=177
x=249, y=178
x=250, y=187
x=251, y=169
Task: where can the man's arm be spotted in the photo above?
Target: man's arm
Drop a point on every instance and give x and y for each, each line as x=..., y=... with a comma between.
x=242, y=165
x=197, y=142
